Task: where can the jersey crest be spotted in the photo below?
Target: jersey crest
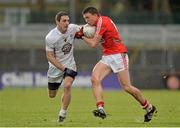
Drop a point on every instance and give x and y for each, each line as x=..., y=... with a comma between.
x=66, y=48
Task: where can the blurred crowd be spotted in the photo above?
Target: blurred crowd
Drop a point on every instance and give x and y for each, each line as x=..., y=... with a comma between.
x=121, y=11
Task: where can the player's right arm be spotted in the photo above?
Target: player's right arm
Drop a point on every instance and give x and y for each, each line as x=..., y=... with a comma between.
x=51, y=58
x=50, y=47
x=93, y=42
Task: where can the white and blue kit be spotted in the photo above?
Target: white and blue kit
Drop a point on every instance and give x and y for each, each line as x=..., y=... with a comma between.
x=62, y=44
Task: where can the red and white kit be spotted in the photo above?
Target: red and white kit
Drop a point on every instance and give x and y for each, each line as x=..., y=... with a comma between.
x=114, y=51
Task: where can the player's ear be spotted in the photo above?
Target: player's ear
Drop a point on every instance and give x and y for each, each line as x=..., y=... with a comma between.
x=56, y=20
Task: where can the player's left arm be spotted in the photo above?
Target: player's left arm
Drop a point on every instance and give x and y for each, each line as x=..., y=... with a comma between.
x=78, y=29
x=93, y=42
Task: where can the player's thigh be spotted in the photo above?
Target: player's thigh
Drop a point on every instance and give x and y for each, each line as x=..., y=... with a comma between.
x=100, y=71
x=68, y=81
x=53, y=85
x=124, y=78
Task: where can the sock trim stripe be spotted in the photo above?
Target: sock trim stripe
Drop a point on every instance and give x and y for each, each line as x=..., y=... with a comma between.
x=100, y=103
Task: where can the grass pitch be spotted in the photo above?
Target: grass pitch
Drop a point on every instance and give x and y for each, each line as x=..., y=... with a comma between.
x=31, y=107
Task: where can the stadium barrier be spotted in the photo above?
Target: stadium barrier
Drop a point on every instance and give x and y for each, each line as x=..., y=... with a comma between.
x=152, y=49
x=39, y=79
x=156, y=36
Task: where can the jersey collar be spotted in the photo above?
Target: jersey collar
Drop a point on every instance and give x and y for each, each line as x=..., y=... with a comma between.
x=97, y=20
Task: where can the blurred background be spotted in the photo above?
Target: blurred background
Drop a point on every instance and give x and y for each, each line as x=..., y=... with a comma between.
x=150, y=30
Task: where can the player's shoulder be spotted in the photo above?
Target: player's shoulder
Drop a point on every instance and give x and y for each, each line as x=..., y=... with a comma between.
x=105, y=18
x=73, y=26
x=103, y=21
x=52, y=35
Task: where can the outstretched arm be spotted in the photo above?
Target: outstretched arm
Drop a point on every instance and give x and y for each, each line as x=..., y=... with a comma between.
x=93, y=42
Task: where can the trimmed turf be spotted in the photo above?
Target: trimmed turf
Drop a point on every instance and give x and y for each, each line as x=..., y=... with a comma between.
x=31, y=107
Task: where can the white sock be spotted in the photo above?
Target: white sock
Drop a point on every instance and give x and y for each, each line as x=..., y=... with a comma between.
x=62, y=113
x=149, y=108
x=100, y=107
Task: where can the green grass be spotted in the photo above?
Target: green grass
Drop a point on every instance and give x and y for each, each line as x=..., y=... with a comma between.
x=32, y=107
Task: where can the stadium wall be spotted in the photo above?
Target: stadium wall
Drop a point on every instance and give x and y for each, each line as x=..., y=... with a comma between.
x=153, y=51
x=39, y=79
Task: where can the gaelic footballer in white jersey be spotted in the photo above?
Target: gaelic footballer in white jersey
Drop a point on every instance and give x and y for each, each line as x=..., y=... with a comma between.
x=62, y=44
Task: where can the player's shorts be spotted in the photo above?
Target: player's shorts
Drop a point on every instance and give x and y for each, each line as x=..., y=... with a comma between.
x=55, y=75
x=117, y=62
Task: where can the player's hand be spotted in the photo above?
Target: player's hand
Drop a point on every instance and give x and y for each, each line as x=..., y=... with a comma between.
x=69, y=72
x=79, y=34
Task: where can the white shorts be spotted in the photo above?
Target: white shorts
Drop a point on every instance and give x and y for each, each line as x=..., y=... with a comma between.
x=55, y=75
x=117, y=62
x=57, y=79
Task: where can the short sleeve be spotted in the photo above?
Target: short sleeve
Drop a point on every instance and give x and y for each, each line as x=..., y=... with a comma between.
x=76, y=27
x=49, y=44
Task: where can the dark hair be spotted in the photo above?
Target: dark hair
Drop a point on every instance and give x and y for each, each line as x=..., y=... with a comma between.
x=60, y=14
x=91, y=10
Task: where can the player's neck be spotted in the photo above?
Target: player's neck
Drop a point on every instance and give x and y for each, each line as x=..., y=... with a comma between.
x=60, y=29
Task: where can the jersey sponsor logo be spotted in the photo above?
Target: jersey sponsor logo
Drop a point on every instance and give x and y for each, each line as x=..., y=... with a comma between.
x=66, y=48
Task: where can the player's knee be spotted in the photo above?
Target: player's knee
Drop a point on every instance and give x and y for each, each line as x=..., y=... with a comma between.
x=130, y=89
x=52, y=95
x=67, y=85
x=126, y=87
x=95, y=81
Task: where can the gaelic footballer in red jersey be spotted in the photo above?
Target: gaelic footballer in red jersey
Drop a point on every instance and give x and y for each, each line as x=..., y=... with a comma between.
x=114, y=59
x=106, y=29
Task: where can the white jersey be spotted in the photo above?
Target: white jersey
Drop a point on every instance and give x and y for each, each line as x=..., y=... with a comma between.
x=62, y=46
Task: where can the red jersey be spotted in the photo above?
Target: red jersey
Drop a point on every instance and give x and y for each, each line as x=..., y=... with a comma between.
x=112, y=41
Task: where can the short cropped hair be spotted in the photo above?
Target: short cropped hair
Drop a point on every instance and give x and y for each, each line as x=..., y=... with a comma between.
x=60, y=14
x=91, y=10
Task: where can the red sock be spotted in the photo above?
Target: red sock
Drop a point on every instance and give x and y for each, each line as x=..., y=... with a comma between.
x=145, y=104
x=100, y=104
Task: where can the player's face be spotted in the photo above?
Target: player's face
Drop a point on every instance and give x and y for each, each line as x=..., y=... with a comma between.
x=63, y=23
x=90, y=18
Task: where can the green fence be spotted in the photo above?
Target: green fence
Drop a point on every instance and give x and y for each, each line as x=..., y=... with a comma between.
x=122, y=18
